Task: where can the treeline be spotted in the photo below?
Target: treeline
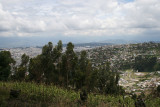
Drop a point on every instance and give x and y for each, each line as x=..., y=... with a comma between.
x=146, y=63
x=62, y=69
x=142, y=63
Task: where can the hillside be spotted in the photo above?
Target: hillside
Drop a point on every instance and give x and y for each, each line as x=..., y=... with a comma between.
x=122, y=57
x=43, y=95
x=137, y=82
x=57, y=78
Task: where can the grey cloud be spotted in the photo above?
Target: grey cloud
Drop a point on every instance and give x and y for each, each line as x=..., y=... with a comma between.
x=143, y=14
x=77, y=18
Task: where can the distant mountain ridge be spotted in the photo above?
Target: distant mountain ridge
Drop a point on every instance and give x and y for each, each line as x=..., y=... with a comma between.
x=13, y=42
x=119, y=41
x=91, y=44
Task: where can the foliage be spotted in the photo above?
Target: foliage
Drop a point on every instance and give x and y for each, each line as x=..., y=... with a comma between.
x=20, y=72
x=157, y=67
x=35, y=73
x=145, y=63
x=152, y=102
x=33, y=94
x=24, y=60
x=67, y=70
x=158, y=89
x=5, y=65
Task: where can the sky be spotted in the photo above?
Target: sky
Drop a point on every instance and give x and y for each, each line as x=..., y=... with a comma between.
x=85, y=20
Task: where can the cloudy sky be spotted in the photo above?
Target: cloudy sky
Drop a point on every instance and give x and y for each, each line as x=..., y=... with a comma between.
x=131, y=19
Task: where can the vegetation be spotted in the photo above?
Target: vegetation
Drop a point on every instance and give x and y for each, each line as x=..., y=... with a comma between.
x=123, y=57
x=65, y=79
x=67, y=70
x=33, y=94
x=5, y=68
x=145, y=63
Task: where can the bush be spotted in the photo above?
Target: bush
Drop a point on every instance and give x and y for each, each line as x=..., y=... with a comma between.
x=158, y=89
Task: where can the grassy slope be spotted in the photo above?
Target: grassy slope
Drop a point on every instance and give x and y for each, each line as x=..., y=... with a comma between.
x=38, y=95
x=34, y=95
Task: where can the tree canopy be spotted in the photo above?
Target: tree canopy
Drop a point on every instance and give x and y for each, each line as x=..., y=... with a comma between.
x=66, y=69
x=5, y=65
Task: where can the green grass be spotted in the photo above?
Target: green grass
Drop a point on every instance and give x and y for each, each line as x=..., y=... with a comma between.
x=41, y=95
x=154, y=102
x=34, y=94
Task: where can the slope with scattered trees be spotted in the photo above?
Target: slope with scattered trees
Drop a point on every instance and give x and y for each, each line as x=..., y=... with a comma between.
x=38, y=78
x=66, y=70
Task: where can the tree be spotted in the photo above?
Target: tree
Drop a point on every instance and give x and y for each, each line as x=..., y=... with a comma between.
x=82, y=72
x=47, y=65
x=47, y=59
x=20, y=73
x=22, y=69
x=158, y=89
x=157, y=67
x=63, y=73
x=108, y=81
x=24, y=60
x=145, y=63
x=5, y=68
x=83, y=61
x=59, y=49
x=36, y=72
x=91, y=77
x=60, y=46
x=71, y=61
x=50, y=60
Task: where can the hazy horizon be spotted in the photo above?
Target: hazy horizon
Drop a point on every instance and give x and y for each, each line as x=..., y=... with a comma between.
x=13, y=42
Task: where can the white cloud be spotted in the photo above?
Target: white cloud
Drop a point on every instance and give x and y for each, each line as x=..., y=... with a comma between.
x=77, y=18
